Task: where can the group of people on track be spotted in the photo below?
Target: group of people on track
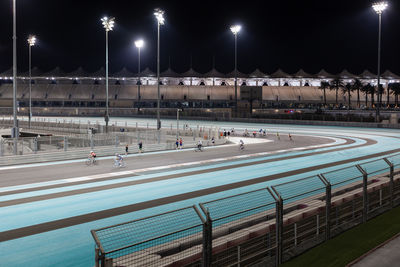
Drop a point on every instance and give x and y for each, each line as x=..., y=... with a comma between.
x=118, y=162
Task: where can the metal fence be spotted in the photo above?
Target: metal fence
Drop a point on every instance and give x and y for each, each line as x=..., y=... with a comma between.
x=57, y=135
x=231, y=218
x=174, y=236
x=267, y=226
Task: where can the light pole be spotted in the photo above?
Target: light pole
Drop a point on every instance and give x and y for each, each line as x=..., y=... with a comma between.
x=379, y=7
x=160, y=21
x=235, y=30
x=139, y=44
x=15, y=130
x=31, y=42
x=177, y=122
x=108, y=24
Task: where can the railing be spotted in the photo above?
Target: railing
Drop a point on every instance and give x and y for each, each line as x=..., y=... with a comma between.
x=267, y=226
x=60, y=135
x=151, y=241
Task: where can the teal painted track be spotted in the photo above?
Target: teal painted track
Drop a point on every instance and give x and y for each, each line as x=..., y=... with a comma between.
x=74, y=246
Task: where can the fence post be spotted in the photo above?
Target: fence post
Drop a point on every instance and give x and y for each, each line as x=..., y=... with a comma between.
x=328, y=196
x=278, y=224
x=207, y=237
x=391, y=184
x=65, y=143
x=365, y=192
x=35, y=145
x=116, y=141
x=1, y=146
x=96, y=257
x=91, y=141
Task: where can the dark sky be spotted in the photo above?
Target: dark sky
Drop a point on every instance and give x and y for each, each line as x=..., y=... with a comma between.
x=275, y=34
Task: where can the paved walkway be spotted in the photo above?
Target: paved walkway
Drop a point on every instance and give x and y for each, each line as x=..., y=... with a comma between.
x=386, y=255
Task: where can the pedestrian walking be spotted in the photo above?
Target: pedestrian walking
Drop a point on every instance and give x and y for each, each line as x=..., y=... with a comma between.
x=126, y=149
x=177, y=143
x=140, y=144
x=180, y=143
x=213, y=141
x=290, y=137
x=224, y=133
x=277, y=136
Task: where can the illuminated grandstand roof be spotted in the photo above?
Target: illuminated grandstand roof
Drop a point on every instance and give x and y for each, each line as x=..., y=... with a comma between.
x=80, y=73
x=366, y=74
x=257, y=74
x=280, y=74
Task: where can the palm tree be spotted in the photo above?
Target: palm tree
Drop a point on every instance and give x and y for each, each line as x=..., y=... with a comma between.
x=348, y=88
x=395, y=88
x=372, y=91
x=336, y=84
x=324, y=86
x=357, y=85
x=366, y=89
x=379, y=93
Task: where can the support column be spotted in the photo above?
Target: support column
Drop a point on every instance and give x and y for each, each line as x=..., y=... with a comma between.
x=365, y=193
x=391, y=184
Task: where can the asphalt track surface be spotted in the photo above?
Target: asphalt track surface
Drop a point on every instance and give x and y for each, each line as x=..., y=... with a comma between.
x=47, y=210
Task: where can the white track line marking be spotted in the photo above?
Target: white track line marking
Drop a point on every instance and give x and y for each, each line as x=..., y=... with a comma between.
x=157, y=168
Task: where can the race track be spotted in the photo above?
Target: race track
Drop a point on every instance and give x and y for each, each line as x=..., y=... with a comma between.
x=47, y=210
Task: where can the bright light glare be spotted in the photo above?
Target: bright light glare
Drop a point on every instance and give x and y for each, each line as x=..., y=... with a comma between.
x=139, y=43
x=235, y=29
x=379, y=7
x=159, y=15
x=108, y=23
x=31, y=40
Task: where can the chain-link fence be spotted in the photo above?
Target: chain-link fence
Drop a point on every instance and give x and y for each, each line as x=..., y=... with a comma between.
x=242, y=227
x=300, y=214
x=266, y=226
x=171, y=237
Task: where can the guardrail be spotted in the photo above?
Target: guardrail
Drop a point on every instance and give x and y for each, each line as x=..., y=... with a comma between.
x=269, y=225
x=100, y=151
x=54, y=135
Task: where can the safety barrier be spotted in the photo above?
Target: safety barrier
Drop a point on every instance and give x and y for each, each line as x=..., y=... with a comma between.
x=268, y=226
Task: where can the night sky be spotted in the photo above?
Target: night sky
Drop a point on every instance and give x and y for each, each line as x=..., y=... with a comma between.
x=333, y=35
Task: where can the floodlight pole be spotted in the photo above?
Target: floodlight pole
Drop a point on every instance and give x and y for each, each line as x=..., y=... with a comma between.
x=107, y=114
x=15, y=130
x=30, y=85
x=158, y=76
x=236, y=99
x=138, y=94
x=379, y=69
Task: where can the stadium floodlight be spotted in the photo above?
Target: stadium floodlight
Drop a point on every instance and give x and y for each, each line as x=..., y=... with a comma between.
x=31, y=42
x=139, y=44
x=379, y=7
x=235, y=30
x=160, y=21
x=159, y=16
x=108, y=24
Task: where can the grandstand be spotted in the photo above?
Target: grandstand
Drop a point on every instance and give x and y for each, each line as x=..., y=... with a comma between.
x=189, y=89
